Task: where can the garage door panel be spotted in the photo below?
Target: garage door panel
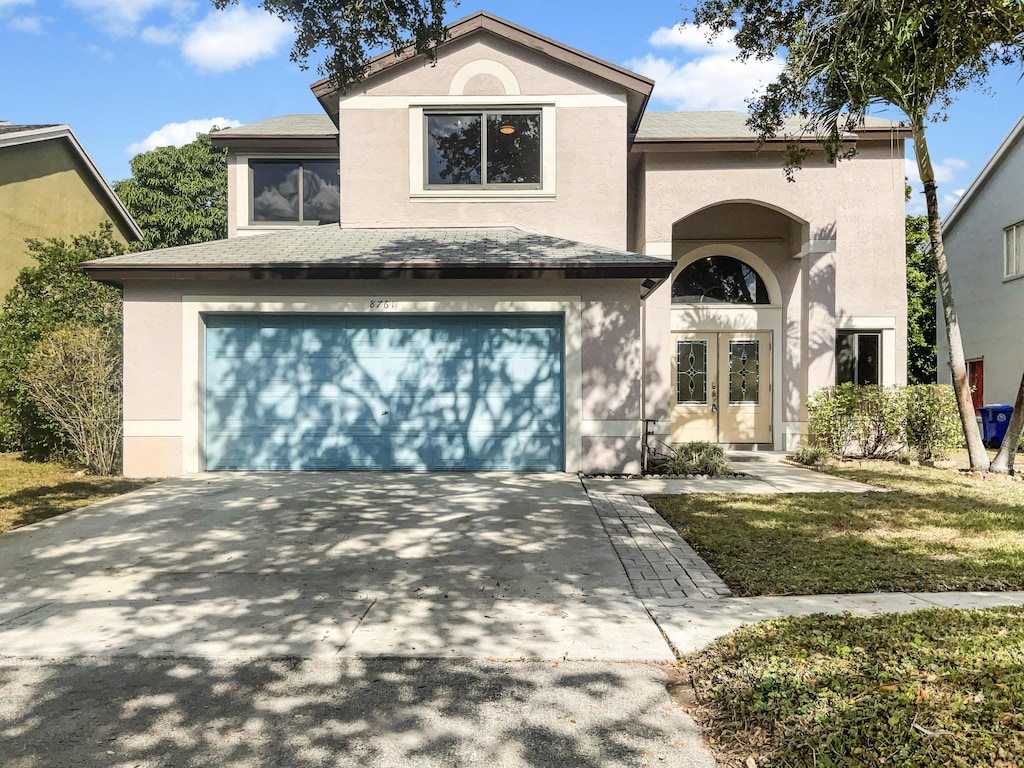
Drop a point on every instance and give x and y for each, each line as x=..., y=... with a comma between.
x=415, y=392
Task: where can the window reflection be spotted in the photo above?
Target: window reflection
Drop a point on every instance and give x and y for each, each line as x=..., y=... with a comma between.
x=719, y=280
x=278, y=195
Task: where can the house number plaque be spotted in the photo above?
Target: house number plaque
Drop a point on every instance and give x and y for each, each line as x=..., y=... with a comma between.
x=381, y=304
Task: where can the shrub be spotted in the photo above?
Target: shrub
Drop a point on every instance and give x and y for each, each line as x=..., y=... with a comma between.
x=830, y=418
x=811, y=455
x=932, y=421
x=693, y=459
x=75, y=377
x=878, y=420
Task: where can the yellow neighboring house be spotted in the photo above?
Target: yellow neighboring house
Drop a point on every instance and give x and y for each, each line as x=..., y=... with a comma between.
x=49, y=187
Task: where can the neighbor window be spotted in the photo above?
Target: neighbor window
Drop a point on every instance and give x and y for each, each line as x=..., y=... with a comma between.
x=295, y=191
x=858, y=357
x=485, y=148
x=1014, y=250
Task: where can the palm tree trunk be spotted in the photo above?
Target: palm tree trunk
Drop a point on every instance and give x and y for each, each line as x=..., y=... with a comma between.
x=1003, y=462
x=957, y=364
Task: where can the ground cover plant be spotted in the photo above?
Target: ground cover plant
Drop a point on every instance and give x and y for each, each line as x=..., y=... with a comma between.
x=935, y=530
x=697, y=458
x=928, y=688
x=34, y=491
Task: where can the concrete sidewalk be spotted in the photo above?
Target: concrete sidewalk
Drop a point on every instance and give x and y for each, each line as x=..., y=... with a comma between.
x=695, y=623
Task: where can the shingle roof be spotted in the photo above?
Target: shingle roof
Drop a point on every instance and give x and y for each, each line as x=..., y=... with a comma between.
x=314, y=125
x=329, y=251
x=720, y=125
x=8, y=128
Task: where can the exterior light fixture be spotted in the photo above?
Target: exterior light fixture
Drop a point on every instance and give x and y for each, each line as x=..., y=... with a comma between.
x=506, y=129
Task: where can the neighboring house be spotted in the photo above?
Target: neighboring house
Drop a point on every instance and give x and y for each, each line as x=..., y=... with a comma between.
x=984, y=241
x=49, y=187
x=526, y=266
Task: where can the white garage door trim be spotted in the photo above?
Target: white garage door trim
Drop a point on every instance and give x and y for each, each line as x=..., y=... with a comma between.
x=193, y=333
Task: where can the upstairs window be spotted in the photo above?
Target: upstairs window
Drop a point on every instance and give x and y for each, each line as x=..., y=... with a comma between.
x=295, y=192
x=483, y=149
x=1014, y=250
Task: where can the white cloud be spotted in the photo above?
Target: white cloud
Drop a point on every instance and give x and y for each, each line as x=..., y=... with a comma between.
x=30, y=24
x=946, y=172
x=4, y=4
x=950, y=200
x=710, y=78
x=122, y=17
x=177, y=134
x=159, y=35
x=227, y=40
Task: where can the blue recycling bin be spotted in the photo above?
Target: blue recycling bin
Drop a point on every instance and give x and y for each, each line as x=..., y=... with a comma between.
x=994, y=421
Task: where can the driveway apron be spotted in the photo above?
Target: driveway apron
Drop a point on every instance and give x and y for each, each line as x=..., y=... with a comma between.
x=490, y=566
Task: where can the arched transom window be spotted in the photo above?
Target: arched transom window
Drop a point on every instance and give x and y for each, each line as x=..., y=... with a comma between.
x=719, y=280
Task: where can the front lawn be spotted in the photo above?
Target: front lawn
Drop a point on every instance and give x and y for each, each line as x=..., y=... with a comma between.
x=929, y=688
x=30, y=492
x=938, y=530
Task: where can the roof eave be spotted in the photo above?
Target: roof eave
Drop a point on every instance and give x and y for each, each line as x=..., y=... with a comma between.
x=987, y=170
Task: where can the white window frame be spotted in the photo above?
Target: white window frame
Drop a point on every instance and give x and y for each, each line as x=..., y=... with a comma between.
x=1013, y=251
x=418, y=188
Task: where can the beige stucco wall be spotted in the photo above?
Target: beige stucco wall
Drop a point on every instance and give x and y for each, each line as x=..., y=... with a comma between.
x=584, y=138
x=163, y=355
x=832, y=239
x=990, y=307
x=46, y=192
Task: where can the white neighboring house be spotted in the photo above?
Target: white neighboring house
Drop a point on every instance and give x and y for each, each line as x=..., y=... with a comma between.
x=984, y=239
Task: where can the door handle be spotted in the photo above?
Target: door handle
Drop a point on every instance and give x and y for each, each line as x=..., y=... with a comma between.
x=714, y=397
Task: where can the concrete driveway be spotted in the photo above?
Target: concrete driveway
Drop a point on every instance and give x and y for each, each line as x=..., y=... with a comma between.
x=485, y=566
x=370, y=620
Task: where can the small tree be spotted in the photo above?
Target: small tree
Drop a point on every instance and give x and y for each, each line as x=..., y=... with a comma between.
x=75, y=377
x=178, y=195
x=920, y=303
x=53, y=294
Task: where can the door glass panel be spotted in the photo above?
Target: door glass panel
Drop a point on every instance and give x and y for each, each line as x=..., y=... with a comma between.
x=691, y=372
x=744, y=364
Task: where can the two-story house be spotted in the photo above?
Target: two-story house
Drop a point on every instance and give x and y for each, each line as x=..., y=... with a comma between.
x=502, y=260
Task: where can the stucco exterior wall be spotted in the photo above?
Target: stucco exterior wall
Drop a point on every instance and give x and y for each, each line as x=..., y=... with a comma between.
x=584, y=186
x=830, y=239
x=990, y=307
x=45, y=192
x=163, y=355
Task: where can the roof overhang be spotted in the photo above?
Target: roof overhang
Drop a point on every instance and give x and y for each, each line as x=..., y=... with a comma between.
x=298, y=143
x=638, y=88
x=751, y=143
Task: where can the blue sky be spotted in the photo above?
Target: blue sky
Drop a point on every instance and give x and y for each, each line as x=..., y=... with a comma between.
x=129, y=74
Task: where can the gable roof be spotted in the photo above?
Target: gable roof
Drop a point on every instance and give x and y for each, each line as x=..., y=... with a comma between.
x=18, y=135
x=637, y=86
x=330, y=252
x=307, y=131
x=1016, y=134
x=731, y=126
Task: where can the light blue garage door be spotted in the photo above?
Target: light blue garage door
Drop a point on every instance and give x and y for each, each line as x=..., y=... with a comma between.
x=384, y=392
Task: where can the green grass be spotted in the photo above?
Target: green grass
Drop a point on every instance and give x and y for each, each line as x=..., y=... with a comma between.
x=30, y=492
x=938, y=530
x=929, y=688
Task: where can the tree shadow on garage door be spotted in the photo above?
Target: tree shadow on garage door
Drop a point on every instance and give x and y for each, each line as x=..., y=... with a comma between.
x=151, y=592
x=385, y=392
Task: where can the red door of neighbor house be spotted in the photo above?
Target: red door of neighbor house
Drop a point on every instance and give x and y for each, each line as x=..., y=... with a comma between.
x=976, y=380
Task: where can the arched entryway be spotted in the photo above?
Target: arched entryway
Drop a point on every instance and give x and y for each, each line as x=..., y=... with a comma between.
x=726, y=323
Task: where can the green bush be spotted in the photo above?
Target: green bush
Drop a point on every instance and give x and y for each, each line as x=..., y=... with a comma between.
x=933, y=426
x=830, y=414
x=693, y=459
x=811, y=455
x=878, y=421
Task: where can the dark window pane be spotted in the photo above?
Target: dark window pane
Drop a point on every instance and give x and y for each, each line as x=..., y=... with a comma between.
x=321, y=192
x=858, y=358
x=275, y=191
x=719, y=280
x=846, y=358
x=691, y=371
x=867, y=358
x=744, y=367
x=453, y=149
x=513, y=149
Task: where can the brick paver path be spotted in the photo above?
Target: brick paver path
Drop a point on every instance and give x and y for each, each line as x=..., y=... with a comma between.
x=657, y=560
